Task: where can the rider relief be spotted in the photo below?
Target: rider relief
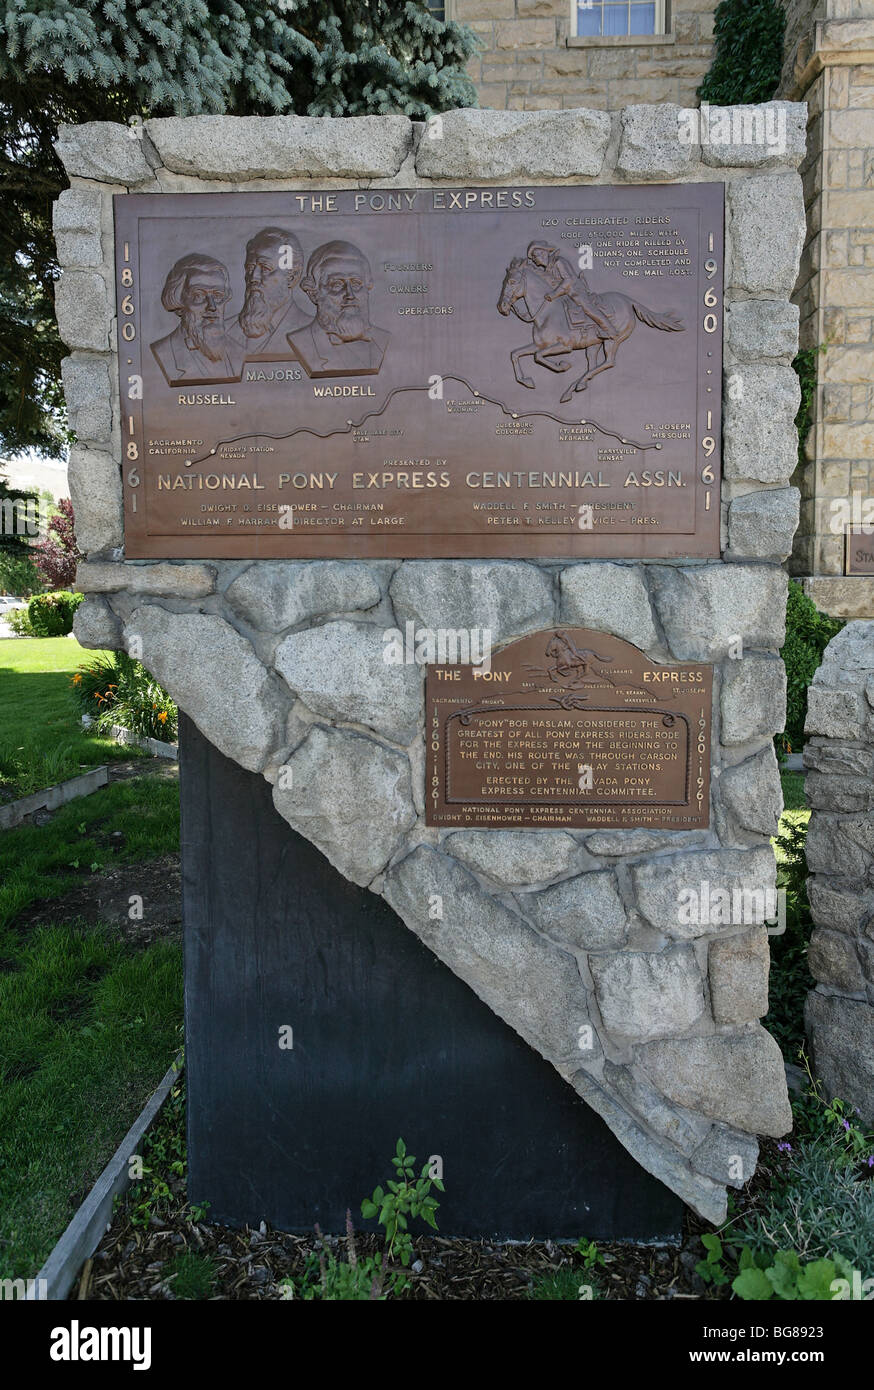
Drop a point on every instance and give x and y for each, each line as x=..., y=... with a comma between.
x=544, y=290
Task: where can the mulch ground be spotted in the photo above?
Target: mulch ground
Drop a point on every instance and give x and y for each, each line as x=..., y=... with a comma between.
x=136, y=1263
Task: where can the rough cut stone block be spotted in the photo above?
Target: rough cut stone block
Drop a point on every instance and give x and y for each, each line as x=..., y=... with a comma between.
x=841, y=1033
x=706, y=609
x=752, y=701
x=585, y=912
x=852, y=650
x=479, y=144
x=834, y=713
x=252, y=147
x=213, y=675
x=690, y=895
x=737, y=1078
x=515, y=856
x=82, y=310
x=339, y=670
x=698, y=1191
x=504, y=597
x=96, y=626
x=76, y=218
x=645, y=995
x=838, y=760
x=738, y=968
x=641, y=841
x=832, y=905
x=609, y=598
x=535, y=987
x=654, y=142
x=273, y=595
x=840, y=843
x=762, y=525
x=832, y=960
x=757, y=328
x=838, y=792
x=165, y=580
x=727, y=1156
x=88, y=395
x=105, y=151
x=760, y=440
x=95, y=490
x=350, y=796
x=679, y=1127
x=755, y=137
x=751, y=793
x=767, y=228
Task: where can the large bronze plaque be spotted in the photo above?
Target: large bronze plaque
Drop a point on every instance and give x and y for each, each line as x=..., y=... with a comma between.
x=425, y=372
x=859, y=550
x=569, y=727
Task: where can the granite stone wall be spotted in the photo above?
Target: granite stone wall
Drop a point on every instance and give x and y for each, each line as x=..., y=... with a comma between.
x=839, y=756
x=575, y=938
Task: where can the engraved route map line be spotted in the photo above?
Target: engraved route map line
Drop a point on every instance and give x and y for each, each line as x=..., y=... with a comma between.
x=400, y=390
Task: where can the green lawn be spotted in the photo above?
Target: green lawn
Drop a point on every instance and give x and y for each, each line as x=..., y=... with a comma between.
x=41, y=737
x=88, y=1024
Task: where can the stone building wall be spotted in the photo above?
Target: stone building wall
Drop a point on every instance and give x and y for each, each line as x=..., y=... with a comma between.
x=530, y=61
x=839, y=755
x=280, y=664
x=830, y=65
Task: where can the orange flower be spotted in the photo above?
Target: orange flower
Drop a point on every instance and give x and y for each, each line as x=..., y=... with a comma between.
x=163, y=716
x=77, y=679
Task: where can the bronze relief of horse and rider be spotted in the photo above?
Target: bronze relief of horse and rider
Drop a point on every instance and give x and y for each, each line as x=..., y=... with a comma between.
x=544, y=290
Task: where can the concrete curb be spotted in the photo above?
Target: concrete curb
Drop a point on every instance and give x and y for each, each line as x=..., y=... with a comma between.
x=52, y=797
x=82, y=1236
x=151, y=745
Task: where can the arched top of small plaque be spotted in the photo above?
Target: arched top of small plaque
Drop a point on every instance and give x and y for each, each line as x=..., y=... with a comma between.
x=571, y=728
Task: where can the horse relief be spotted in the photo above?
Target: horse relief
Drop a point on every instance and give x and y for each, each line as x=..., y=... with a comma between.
x=543, y=290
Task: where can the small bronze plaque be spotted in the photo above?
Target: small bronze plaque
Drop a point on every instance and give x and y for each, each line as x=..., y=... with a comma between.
x=569, y=727
x=421, y=372
x=859, y=554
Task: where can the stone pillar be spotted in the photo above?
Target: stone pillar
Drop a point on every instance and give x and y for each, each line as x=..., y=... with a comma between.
x=839, y=754
x=830, y=65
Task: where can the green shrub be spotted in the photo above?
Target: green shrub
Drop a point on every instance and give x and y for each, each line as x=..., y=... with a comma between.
x=808, y=633
x=19, y=620
x=51, y=615
x=748, y=52
x=19, y=575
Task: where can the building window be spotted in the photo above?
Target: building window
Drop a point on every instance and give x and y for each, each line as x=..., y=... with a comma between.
x=618, y=18
x=438, y=11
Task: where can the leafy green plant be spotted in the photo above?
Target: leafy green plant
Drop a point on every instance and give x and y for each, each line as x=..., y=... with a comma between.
x=808, y=633
x=120, y=691
x=790, y=979
x=805, y=364
x=51, y=615
x=592, y=1256
x=403, y=1197
x=782, y=1275
x=357, y=1279
x=712, y=1268
x=748, y=52
x=192, y=1275
x=94, y=683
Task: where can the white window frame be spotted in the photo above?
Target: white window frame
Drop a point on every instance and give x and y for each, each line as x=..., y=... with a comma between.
x=658, y=32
